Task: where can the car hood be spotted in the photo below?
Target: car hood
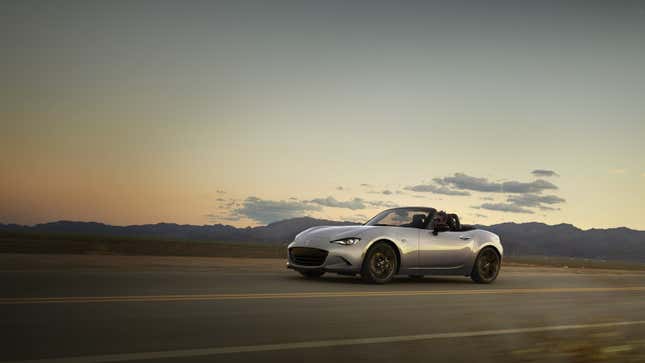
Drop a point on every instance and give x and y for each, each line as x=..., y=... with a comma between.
x=330, y=233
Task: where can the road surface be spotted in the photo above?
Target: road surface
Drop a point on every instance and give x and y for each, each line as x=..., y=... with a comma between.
x=225, y=310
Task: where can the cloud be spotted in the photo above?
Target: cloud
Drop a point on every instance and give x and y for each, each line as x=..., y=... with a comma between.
x=215, y=218
x=524, y=197
x=364, y=185
x=436, y=189
x=534, y=200
x=520, y=203
x=384, y=192
x=227, y=204
x=340, y=187
x=505, y=207
x=353, y=204
x=544, y=173
x=220, y=200
x=480, y=215
x=466, y=182
x=382, y=204
x=267, y=211
x=219, y=191
x=618, y=171
x=543, y=207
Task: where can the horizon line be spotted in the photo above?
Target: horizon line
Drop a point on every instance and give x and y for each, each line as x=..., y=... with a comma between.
x=288, y=219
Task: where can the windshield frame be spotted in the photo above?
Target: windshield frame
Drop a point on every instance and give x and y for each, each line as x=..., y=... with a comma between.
x=373, y=221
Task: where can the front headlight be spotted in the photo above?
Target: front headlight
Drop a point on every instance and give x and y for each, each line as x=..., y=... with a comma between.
x=346, y=241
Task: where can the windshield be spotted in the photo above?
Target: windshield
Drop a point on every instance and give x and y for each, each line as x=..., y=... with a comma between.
x=402, y=217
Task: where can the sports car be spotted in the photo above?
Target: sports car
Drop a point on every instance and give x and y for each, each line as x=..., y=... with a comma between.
x=413, y=241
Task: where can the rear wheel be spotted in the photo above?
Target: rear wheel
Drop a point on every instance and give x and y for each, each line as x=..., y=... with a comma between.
x=486, y=266
x=380, y=264
x=311, y=274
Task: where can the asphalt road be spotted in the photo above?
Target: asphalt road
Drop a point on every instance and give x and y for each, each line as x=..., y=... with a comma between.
x=246, y=314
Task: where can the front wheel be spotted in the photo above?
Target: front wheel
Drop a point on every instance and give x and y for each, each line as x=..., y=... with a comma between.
x=380, y=264
x=486, y=266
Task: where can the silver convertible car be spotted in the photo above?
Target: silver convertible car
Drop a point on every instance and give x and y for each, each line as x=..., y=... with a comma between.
x=414, y=241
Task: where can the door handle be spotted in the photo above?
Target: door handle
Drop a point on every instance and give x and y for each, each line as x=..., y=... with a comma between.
x=465, y=238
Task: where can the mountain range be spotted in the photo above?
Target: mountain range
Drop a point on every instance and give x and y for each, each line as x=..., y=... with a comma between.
x=564, y=240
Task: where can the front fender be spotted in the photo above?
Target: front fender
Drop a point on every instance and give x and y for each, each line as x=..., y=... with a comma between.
x=405, y=241
x=484, y=239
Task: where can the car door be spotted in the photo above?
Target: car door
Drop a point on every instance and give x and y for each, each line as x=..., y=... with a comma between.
x=407, y=239
x=445, y=250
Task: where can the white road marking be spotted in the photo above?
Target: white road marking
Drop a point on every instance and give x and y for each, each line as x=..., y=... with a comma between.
x=306, y=295
x=185, y=353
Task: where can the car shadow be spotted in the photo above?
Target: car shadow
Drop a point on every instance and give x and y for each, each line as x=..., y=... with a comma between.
x=403, y=280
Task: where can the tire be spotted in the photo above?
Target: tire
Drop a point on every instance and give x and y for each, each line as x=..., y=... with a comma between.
x=380, y=264
x=312, y=274
x=487, y=266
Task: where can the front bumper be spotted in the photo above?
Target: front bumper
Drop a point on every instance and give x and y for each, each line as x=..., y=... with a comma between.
x=341, y=259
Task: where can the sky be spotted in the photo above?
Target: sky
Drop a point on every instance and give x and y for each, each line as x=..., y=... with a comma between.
x=249, y=112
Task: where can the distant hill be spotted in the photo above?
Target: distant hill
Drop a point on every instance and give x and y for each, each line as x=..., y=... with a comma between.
x=280, y=232
x=519, y=239
x=569, y=241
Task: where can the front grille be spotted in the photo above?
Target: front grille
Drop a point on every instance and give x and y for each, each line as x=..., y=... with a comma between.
x=306, y=256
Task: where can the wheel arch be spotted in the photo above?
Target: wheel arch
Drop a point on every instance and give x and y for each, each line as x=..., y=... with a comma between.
x=396, y=249
x=490, y=245
x=475, y=275
x=469, y=267
x=483, y=247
